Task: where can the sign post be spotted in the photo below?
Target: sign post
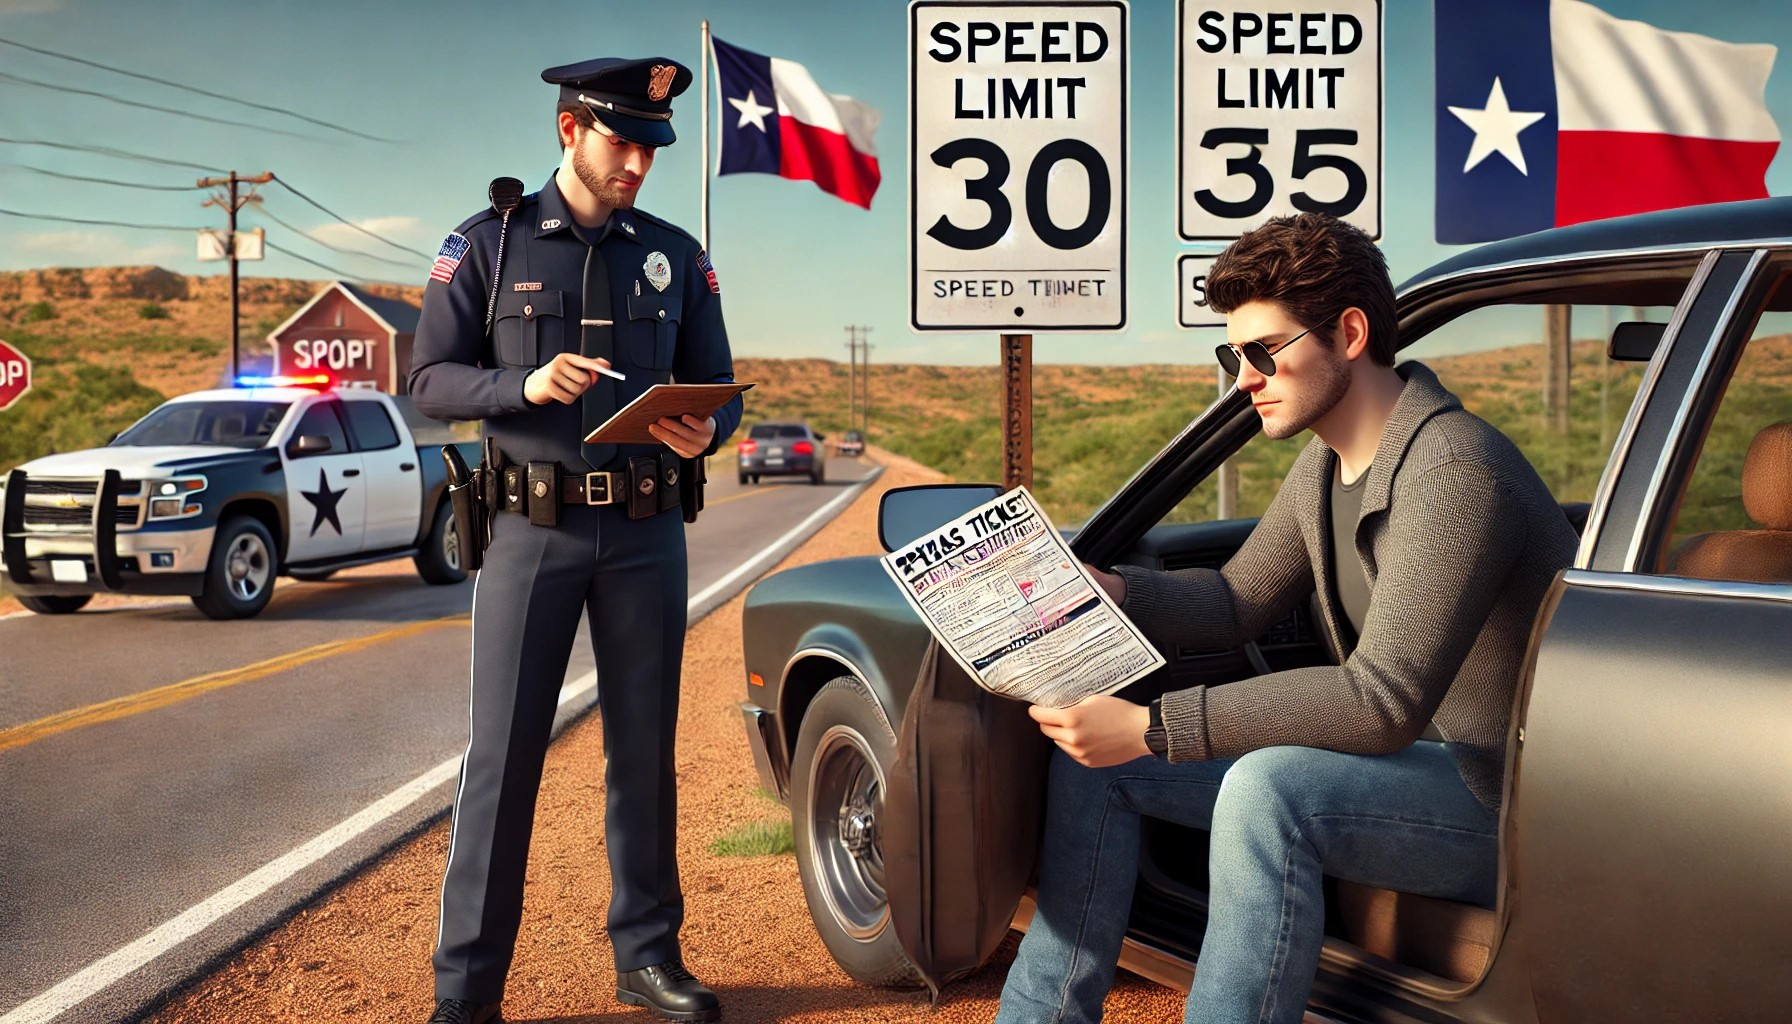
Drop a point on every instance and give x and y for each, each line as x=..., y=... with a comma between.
x=15, y=375
x=1018, y=142
x=1278, y=111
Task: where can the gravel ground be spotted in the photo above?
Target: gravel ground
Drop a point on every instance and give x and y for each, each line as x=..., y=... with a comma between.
x=361, y=953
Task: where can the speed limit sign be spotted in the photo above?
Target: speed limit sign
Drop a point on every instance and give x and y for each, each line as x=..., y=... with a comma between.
x=1017, y=165
x=1279, y=106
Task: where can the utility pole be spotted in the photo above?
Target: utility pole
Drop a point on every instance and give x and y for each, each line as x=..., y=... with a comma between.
x=865, y=382
x=231, y=203
x=858, y=407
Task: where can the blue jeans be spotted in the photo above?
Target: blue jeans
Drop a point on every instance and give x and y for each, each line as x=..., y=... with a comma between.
x=1280, y=817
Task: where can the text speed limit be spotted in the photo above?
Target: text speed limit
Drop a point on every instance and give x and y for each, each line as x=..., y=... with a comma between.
x=1017, y=211
x=1279, y=112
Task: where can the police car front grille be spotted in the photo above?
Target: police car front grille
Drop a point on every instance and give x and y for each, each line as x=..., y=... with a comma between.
x=66, y=506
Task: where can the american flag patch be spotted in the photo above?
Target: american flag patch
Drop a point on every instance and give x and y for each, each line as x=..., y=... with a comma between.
x=709, y=270
x=454, y=249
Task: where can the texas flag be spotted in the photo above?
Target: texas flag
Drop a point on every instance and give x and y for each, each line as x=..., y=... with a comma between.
x=776, y=120
x=1552, y=112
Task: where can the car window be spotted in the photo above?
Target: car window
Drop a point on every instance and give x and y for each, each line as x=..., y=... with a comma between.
x=763, y=431
x=796, y=430
x=1494, y=358
x=229, y=424
x=321, y=419
x=371, y=426
x=1733, y=521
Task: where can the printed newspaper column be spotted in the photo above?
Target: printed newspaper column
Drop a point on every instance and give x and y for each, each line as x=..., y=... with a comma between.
x=1008, y=600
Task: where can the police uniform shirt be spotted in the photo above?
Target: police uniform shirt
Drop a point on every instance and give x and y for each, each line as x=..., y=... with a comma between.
x=461, y=372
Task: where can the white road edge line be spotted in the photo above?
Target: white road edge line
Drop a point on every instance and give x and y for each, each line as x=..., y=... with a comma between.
x=128, y=959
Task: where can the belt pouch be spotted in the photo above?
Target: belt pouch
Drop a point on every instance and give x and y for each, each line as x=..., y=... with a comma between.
x=669, y=476
x=544, y=493
x=512, y=487
x=690, y=491
x=643, y=486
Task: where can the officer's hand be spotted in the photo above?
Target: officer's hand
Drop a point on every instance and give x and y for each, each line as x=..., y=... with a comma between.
x=684, y=435
x=562, y=379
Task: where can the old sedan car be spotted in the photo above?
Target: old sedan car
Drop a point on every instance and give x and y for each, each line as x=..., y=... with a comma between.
x=1644, y=872
x=782, y=449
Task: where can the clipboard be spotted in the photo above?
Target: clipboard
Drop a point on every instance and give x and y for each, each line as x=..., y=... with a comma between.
x=629, y=425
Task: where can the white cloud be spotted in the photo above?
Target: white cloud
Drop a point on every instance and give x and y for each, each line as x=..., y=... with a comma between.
x=395, y=228
x=88, y=246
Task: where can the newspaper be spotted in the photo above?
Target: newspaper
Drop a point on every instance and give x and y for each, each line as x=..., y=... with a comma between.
x=1005, y=596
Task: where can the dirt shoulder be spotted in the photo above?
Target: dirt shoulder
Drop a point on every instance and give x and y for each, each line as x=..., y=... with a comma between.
x=362, y=953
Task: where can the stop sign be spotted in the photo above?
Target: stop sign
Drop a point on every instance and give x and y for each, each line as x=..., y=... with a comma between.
x=15, y=374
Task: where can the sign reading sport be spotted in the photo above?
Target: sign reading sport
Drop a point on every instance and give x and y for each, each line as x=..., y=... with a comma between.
x=1017, y=183
x=1278, y=112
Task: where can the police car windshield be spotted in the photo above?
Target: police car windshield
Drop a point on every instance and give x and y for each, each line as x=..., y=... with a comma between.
x=224, y=424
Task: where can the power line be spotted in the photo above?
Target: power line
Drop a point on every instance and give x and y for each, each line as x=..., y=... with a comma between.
x=113, y=98
x=105, y=181
x=101, y=223
x=321, y=266
x=107, y=151
x=263, y=211
x=193, y=89
x=288, y=186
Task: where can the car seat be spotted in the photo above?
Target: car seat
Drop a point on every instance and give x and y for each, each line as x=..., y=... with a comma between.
x=1754, y=556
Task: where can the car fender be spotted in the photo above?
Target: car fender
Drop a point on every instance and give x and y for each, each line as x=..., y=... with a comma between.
x=823, y=654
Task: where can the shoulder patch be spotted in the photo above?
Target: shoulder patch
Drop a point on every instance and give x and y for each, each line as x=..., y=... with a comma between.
x=454, y=249
x=709, y=270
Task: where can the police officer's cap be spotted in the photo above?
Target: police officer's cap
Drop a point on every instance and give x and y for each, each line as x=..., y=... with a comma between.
x=632, y=98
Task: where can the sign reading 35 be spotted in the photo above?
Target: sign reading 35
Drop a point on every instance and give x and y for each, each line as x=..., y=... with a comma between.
x=1018, y=176
x=1279, y=111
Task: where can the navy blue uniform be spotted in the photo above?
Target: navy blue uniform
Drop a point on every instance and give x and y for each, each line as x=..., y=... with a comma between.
x=627, y=576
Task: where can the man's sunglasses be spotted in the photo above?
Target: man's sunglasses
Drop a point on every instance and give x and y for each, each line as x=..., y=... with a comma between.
x=1260, y=356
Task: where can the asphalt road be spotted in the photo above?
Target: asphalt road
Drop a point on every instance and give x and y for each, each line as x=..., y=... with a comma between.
x=190, y=753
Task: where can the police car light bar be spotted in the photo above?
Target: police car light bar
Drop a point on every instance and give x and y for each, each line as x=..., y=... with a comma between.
x=320, y=381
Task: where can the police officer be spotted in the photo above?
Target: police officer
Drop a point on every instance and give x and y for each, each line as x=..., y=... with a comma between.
x=522, y=310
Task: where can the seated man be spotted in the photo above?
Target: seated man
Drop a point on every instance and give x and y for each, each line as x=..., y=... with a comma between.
x=1430, y=542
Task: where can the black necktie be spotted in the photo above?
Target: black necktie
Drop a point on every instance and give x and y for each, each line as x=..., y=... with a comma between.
x=597, y=340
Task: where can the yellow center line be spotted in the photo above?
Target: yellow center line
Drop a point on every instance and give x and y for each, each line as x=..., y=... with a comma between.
x=174, y=693
x=736, y=497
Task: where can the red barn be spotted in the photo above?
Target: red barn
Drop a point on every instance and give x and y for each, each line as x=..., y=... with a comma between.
x=360, y=339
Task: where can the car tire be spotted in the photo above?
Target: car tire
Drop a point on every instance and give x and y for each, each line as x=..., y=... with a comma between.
x=844, y=751
x=438, y=560
x=239, y=577
x=56, y=604
x=816, y=477
x=743, y=479
x=755, y=478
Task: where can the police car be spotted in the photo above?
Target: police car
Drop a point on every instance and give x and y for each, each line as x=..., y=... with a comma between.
x=215, y=493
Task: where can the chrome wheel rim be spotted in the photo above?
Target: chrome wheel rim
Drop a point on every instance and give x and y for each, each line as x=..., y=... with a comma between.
x=247, y=567
x=846, y=802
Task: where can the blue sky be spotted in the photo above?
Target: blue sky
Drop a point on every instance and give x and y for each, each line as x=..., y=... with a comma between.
x=454, y=86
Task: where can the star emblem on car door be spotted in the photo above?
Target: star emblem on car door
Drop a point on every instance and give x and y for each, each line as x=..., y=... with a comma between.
x=324, y=501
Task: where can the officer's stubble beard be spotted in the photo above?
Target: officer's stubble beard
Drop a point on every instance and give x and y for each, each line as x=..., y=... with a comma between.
x=596, y=183
x=1318, y=395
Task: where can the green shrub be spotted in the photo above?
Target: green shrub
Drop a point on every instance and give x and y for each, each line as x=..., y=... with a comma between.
x=38, y=311
x=152, y=311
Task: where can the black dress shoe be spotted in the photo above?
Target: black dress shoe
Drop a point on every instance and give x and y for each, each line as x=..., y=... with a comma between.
x=669, y=992
x=464, y=1011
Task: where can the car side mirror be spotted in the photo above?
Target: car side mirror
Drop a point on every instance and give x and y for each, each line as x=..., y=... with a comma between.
x=908, y=513
x=311, y=444
x=1634, y=341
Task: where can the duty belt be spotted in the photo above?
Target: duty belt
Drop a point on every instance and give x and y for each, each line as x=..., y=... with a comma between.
x=600, y=488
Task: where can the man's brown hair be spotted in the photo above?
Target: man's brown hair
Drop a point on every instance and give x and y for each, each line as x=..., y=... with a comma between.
x=580, y=113
x=1314, y=266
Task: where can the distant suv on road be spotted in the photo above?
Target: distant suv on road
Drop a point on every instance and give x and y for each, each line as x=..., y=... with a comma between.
x=782, y=449
x=851, y=443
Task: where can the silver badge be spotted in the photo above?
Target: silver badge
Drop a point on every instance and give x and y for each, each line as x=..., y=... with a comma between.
x=658, y=270
x=550, y=224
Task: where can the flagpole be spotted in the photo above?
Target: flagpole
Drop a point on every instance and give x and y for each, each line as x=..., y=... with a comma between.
x=703, y=234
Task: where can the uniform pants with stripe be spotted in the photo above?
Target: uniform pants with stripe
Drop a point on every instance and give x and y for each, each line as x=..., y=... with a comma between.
x=629, y=578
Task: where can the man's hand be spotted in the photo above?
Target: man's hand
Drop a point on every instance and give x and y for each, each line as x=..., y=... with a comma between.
x=1113, y=583
x=684, y=435
x=1096, y=731
x=562, y=379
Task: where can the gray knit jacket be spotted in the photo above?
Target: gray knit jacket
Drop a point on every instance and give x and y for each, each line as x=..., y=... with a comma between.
x=1460, y=540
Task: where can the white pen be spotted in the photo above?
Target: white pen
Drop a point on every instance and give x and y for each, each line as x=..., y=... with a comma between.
x=606, y=371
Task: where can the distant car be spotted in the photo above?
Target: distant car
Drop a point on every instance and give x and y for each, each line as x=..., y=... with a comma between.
x=782, y=449
x=851, y=443
x=1644, y=872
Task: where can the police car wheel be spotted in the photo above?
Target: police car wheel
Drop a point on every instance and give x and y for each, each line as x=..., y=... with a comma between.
x=844, y=751
x=239, y=579
x=438, y=560
x=56, y=604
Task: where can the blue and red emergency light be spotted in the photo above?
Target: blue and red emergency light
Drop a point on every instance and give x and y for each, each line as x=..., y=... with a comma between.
x=321, y=382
